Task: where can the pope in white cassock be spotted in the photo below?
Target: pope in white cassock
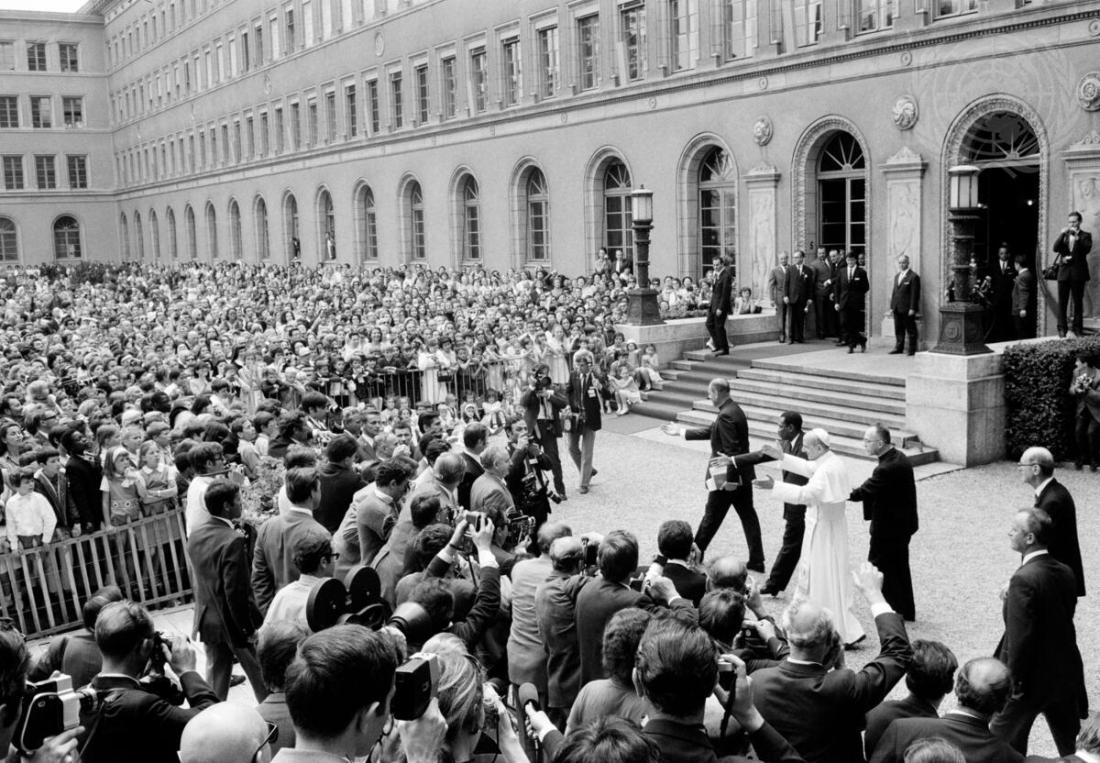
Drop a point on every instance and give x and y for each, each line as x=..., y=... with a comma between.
x=823, y=576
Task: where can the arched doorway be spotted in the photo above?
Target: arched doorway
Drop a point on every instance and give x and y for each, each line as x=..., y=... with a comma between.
x=842, y=194
x=618, y=232
x=717, y=206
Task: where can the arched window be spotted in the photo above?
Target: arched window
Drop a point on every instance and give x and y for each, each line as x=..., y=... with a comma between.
x=192, y=234
x=236, y=249
x=326, y=215
x=212, y=230
x=537, y=213
x=618, y=233
x=842, y=186
x=66, y=238
x=154, y=229
x=139, y=235
x=263, y=237
x=173, y=249
x=414, y=222
x=290, y=223
x=717, y=205
x=9, y=244
x=366, y=224
x=471, y=223
x=125, y=235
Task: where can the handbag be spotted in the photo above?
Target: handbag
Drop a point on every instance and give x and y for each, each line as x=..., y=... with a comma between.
x=1050, y=272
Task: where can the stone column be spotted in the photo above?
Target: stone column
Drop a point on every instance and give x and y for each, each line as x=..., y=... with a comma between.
x=1083, y=169
x=758, y=256
x=904, y=171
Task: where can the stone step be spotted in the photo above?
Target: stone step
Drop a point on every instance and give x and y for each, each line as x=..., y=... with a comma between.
x=819, y=382
x=725, y=365
x=658, y=409
x=805, y=395
x=763, y=420
x=768, y=407
x=687, y=383
x=832, y=373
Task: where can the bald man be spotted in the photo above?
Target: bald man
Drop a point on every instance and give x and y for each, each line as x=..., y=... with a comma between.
x=1037, y=469
x=224, y=732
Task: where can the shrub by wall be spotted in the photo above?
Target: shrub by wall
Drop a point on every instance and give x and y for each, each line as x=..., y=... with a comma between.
x=1039, y=410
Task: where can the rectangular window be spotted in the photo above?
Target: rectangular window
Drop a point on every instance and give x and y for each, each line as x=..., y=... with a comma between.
x=202, y=148
x=330, y=116
x=280, y=130
x=683, y=34
x=273, y=28
x=479, y=80
x=510, y=73
x=372, y=106
x=72, y=111
x=588, y=51
x=67, y=53
x=264, y=145
x=548, y=61
x=447, y=71
x=422, y=104
x=213, y=134
x=7, y=56
x=44, y=172
x=307, y=23
x=874, y=15
x=632, y=19
x=250, y=135
x=351, y=116
x=246, y=54
x=291, y=41
x=36, y=56
x=807, y=21
x=395, y=94
x=13, y=173
x=739, y=22
x=78, y=171
x=295, y=127
x=236, y=140
x=220, y=58
x=258, y=34
x=326, y=19
x=40, y=111
x=312, y=133
x=209, y=69
x=954, y=7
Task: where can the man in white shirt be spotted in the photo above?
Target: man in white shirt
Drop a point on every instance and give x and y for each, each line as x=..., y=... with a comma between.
x=313, y=556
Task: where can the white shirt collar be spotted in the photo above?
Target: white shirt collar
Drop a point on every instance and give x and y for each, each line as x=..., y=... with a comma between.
x=382, y=496
x=301, y=510
x=1043, y=486
x=1028, y=557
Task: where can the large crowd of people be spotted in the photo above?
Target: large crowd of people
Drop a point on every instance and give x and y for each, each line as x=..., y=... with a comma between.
x=397, y=431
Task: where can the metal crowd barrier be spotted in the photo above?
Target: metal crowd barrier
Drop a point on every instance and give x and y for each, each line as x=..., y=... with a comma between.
x=43, y=589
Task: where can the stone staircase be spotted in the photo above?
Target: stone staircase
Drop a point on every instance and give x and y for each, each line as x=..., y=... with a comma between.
x=841, y=401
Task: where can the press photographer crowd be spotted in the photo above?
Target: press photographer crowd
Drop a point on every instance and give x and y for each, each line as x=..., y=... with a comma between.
x=356, y=475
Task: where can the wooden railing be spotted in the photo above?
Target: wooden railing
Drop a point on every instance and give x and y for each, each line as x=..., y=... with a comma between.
x=44, y=589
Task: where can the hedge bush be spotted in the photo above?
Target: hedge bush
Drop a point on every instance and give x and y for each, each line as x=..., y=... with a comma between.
x=1039, y=411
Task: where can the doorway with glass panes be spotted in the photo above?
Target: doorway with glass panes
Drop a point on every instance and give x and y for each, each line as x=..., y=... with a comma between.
x=842, y=195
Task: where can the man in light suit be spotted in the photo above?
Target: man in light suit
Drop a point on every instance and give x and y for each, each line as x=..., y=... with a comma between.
x=905, y=304
x=489, y=493
x=850, y=294
x=777, y=286
x=719, y=308
x=583, y=393
x=1039, y=644
x=1052, y=497
x=1073, y=246
x=798, y=290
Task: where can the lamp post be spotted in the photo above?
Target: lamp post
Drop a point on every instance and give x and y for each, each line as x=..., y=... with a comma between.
x=642, y=308
x=961, y=329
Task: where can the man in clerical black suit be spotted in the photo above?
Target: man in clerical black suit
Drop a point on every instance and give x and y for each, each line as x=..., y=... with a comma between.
x=798, y=290
x=719, y=308
x=1039, y=644
x=1073, y=246
x=794, y=514
x=1003, y=274
x=1052, y=497
x=729, y=437
x=851, y=301
x=889, y=499
x=905, y=304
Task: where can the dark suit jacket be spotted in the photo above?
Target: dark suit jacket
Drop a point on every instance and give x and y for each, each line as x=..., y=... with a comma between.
x=799, y=288
x=84, y=478
x=1074, y=265
x=720, y=297
x=274, y=710
x=684, y=743
x=474, y=469
x=1063, y=545
x=794, y=447
x=691, y=584
x=823, y=271
x=1023, y=292
x=889, y=497
x=272, y=560
x=851, y=294
x=880, y=718
x=729, y=436
x=139, y=727
x=75, y=655
x=822, y=712
x=225, y=608
x=1039, y=644
x=905, y=296
x=1003, y=284
x=582, y=402
x=338, y=485
x=531, y=403
x=969, y=734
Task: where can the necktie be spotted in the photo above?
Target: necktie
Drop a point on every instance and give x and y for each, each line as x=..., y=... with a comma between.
x=851, y=272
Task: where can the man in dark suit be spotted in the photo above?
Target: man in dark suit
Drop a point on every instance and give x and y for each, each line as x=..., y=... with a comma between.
x=824, y=315
x=794, y=514
x=729, y=437
x=542, y=407
x=583, y=395
x=475, y=438
x=1088, y=745
x=1052, y=497
x=226, y=615
x=555, y=608
x=719, y=308
x=76, y=654
x=982, y=688
x=815, y=705
x=1073, y=246
x=674, y=543
x=851, y=302
x=889, y=499
x=135, y=725
x=1003, y=274
x=339, y=481
x=83, y=476
x=1039, y=644
x=905, y=304
x=1023, y=300
x=798, y=289
x=929, y=678
x=777, y=287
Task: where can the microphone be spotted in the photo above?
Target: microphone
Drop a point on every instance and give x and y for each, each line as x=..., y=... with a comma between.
x=529, y=695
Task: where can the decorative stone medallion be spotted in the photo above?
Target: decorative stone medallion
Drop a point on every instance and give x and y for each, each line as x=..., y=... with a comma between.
x=379, y=44
x=905, y=113
x=1088, y=92
x=762, y=131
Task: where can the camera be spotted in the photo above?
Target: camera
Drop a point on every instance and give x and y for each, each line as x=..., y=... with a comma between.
x=476, y=519
x=727, y=674
x=51, y=707
x=591, y=552
x=543, y=382
x=356, y=601
x=519, y=529
x=415, y=683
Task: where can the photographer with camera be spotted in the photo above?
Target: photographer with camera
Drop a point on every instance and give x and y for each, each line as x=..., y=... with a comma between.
x=14, y=662
x=527, y=475
x=133, y=723
x=542, y=407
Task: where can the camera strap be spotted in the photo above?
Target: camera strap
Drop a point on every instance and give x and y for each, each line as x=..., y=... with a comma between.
x=111, y=698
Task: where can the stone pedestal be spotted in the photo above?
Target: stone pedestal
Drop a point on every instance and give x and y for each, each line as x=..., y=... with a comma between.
x=676, y=336
x=956, y=404
x=754, y=264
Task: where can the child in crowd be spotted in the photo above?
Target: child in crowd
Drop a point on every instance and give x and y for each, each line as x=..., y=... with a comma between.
x=626, y=389
x=495, y=417
x=29, y=516
x=649, y=367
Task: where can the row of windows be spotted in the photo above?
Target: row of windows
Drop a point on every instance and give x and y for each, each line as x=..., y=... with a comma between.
x=66, y=239
x=45, y=171
x=36, y=57
x=42, y=111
